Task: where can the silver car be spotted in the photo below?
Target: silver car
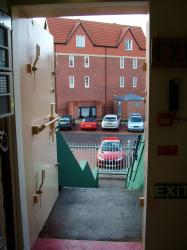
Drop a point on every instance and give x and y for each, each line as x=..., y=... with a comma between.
x=111, y=121
x=135, y=123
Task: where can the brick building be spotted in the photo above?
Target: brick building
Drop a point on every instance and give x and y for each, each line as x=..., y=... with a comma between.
x=94, y=62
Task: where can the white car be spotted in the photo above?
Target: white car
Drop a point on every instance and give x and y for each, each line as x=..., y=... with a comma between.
x=135, y=123
x=111, y=121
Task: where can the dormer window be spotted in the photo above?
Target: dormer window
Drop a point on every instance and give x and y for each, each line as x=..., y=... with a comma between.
x=128, y=44
x=80, y=41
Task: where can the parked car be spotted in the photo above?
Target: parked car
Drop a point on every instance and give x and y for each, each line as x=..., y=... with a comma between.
x=134, y=114
x=111, y=121
x=135, y=123
x=110, y=153
x=66, y=122
x=88, y=123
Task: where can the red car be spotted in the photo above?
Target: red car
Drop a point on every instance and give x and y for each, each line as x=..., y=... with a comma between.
x=88, y=123
x=110, y=154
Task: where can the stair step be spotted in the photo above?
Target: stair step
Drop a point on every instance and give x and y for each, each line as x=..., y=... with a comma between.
x=56, y=244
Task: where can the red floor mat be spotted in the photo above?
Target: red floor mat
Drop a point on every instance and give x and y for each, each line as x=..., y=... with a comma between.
x=54, y=244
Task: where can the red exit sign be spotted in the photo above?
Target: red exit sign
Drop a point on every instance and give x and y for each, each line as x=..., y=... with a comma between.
x=169, y=52
x=167, y=150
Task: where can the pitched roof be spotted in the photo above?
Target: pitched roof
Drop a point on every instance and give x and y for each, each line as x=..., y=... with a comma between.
x=100, y=33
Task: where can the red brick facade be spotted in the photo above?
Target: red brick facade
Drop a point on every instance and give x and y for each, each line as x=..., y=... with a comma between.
x=104, y=73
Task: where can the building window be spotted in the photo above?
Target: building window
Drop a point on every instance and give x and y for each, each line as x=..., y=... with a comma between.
x=128, y=44
x=122, y=82
x=134, y=63
x=122, y=62
x=86, y=61
x=80, y=41
x=86, y=81
x=134, y=82
x=71, y=82
x=71, y=61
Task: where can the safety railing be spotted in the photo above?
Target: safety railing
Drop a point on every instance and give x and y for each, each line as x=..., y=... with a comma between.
x=109, y=158
x=133, y=169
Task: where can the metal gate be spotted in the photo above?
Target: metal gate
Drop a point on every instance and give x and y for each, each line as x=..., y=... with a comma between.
x=111, y=159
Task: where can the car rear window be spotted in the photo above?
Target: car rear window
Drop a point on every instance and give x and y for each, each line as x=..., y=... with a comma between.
x=110, y=119
x=89, y=119
x=65, y=118
x=111, y=146
x=135, y=119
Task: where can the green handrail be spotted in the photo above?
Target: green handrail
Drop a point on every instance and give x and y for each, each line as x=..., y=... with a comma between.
x=131, y=170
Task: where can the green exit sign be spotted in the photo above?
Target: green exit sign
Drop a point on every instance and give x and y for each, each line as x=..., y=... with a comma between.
x=171, y=190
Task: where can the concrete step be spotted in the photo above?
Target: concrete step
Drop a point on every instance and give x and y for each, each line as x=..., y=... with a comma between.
x=55, y=244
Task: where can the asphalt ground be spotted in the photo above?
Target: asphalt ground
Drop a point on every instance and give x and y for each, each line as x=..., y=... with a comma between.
x=76, y=135
x=95, y=137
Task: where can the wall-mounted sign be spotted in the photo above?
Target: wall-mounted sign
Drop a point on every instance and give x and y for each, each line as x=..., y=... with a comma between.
x=171, y=190
x=169, y=52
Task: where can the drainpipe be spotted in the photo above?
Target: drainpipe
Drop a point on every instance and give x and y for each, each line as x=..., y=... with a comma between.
x=105, y=81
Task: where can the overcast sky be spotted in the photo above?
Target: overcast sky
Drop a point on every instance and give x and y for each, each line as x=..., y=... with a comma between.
x=136, y=20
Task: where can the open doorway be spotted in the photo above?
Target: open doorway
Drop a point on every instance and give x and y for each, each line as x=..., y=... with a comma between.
x=105, y=66
x=40, y=14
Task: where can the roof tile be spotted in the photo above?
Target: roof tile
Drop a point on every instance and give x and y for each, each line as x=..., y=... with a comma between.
x=100, y=33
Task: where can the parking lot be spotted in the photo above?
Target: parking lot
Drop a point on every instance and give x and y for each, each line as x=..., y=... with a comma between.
x=78, y=136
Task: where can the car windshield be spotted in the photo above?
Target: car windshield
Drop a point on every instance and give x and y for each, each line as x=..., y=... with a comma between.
x=111, y=119
x=88, y=120
x=111, y=146
x=64, y=119
x=135, y=119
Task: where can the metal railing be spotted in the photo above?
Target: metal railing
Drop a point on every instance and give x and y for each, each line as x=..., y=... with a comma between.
x=110, y=158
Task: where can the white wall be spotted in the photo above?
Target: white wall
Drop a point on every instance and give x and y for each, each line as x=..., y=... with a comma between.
x=33, y=97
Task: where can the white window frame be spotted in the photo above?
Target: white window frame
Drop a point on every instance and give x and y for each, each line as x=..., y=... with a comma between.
x=71, y=61
x=122, y=81
x=86, y=61
x=86, y=81
x=80, y=41
x=134, y=81
x=128, y=44
x=135, y=63
x=122, y=62
x=71, y=82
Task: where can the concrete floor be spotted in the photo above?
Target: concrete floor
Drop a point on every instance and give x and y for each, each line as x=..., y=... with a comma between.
x=103, y=214
x=112, y=181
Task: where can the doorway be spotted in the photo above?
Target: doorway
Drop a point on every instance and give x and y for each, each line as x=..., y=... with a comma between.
x=91, y=9
x=87, y=112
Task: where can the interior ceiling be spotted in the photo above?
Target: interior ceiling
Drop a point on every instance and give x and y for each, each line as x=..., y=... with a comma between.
x=74, y=9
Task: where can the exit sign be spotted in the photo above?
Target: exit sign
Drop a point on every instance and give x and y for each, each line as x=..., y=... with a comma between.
x=171, y=190
x=169, y=52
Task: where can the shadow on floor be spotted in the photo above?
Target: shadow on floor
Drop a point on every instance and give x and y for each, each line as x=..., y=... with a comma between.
x=101, y=214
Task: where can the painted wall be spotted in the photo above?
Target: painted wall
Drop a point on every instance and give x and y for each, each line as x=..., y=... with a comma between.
x=33, y=97
x=166, y=218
